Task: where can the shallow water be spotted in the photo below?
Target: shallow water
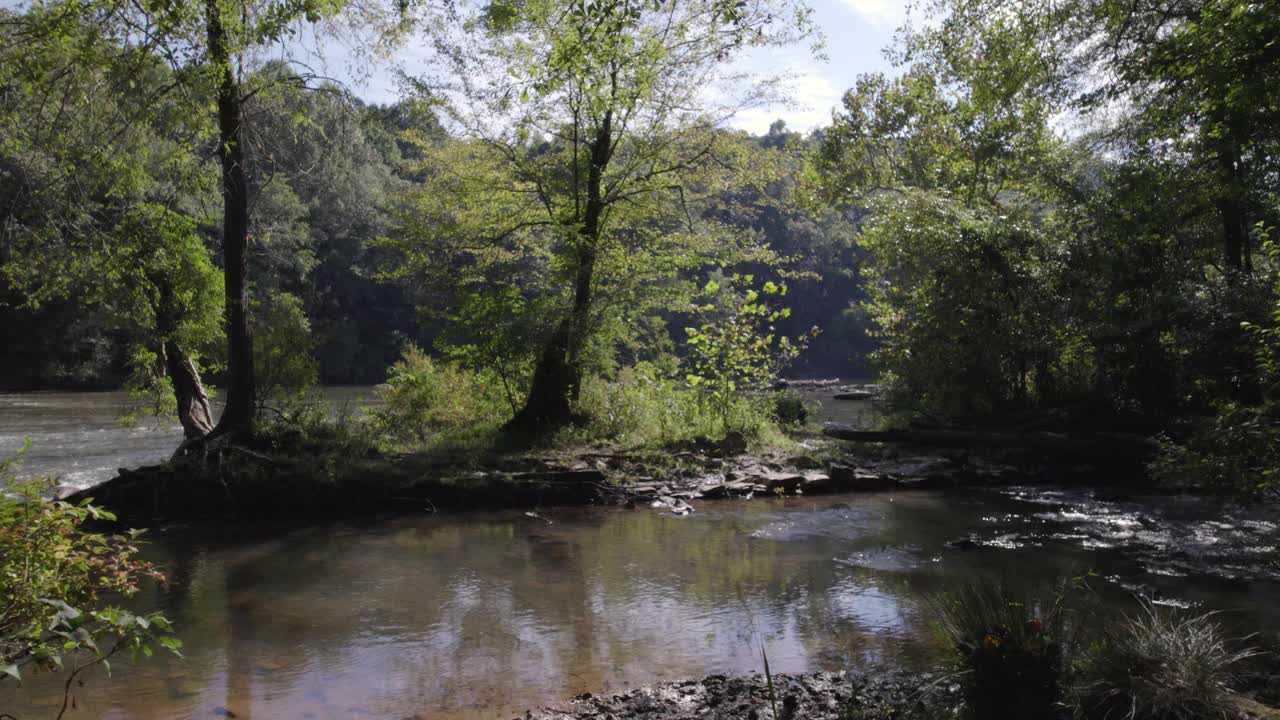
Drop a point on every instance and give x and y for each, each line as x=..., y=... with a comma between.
x=487, y=614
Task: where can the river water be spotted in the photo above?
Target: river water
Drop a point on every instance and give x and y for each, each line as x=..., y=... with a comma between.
x=482, y=615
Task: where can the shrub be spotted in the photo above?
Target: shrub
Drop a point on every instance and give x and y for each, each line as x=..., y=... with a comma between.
x=52, y=572
x=790, y=410
x=1160, y=665
x=645, y=406
x=425, y=399
x=1009, y=647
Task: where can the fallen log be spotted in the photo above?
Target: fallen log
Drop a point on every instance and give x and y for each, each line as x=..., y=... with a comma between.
x=855, y=395
x=1046, y=443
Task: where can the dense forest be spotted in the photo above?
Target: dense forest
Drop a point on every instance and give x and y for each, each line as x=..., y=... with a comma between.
x=1050, y=227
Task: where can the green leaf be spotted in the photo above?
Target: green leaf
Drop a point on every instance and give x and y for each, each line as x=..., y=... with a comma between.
x=12, y=671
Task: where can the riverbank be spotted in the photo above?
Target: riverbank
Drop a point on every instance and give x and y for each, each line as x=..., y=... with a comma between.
x=297, y=479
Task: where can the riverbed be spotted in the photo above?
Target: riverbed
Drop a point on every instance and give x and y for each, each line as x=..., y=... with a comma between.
x=483, y=615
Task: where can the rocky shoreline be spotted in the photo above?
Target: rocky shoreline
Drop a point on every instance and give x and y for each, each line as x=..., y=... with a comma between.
x=815, y=696
x=879, y=695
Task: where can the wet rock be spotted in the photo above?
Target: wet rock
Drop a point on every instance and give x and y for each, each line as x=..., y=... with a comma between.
x=851, y=479
x=786, y=481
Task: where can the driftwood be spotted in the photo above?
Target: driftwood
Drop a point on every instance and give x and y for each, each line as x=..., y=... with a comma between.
x=1047, y=443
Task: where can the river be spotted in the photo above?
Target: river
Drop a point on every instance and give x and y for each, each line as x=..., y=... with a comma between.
x=485, y=614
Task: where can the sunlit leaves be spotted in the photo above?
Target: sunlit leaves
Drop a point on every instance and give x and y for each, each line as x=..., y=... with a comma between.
x=52, y=570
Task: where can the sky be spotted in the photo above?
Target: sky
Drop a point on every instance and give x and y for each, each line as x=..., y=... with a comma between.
x=856, y=33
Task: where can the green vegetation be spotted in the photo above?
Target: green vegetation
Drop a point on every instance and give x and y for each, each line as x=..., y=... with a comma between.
x=53, y=572
x=1022, y=655
x=1011, y=649
x=1161, y=665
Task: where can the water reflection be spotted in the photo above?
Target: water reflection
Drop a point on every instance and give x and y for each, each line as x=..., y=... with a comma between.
x=486, y=615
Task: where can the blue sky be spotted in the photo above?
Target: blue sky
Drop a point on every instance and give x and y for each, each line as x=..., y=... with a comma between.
x=856, y=33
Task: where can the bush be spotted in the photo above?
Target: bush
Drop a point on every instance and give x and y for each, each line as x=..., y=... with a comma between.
x=1009, y=647
x=644, y=406
x=1160, y=665
x=425, y=399
x=52, y=572
x=790, y=410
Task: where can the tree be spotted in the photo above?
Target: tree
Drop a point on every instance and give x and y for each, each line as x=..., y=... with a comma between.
x=97, y=170
x=593, y=140
x=951, y=158
x=209, y=47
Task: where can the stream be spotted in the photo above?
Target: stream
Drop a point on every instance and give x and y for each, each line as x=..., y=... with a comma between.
x=482, y=615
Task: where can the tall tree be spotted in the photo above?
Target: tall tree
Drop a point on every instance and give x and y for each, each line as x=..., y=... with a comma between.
x=591, y=120
x=209, y=46
x=99, y=170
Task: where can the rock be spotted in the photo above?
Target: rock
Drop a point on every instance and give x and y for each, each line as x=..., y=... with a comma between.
x=803, y=462
x=734, y=443
x=851, y=479
x=788, y=481
x=964, y=543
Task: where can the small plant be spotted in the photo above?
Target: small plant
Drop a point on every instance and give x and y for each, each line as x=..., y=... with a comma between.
x=51, y=573
x=1160, y=664
x=1009, y=647
x=737, y=348
x=768, y=678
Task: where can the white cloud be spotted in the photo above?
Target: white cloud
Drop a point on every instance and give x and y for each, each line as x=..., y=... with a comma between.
x=813, y=96
x=883, y=14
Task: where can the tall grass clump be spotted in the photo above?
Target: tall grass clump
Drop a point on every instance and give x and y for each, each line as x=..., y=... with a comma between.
x=1160, y=664
x=426, y=401
x=1008, y=647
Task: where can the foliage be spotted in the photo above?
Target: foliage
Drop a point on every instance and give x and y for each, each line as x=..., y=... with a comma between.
x=651, y=406
x=1160, y=664
x=961, y=305
x=589, y=163
x=424, y=399
x=736, y=350
x=790, y=410
x=1011, y=647
x=53, y=572
x=1236, y=449
x=285, y=368
x=1103, y=272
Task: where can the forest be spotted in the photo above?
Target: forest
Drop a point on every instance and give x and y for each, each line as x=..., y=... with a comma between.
x=1038, y=256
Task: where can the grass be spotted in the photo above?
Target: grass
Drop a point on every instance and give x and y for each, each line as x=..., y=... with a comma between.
x=1161, y=664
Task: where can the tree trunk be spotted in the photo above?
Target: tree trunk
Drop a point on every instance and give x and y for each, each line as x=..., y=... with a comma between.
x=1231, y=209
x=193, y=402
x=237, y=416
x=557, y=378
